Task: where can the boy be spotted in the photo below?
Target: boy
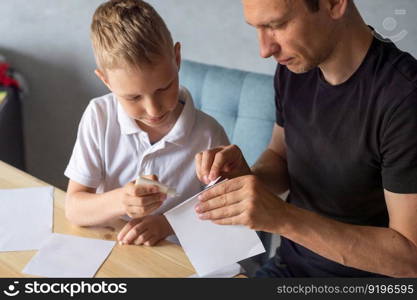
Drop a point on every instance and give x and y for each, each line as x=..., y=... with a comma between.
x=147, y=125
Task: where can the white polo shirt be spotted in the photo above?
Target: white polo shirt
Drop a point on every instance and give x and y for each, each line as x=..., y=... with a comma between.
x=112, y=150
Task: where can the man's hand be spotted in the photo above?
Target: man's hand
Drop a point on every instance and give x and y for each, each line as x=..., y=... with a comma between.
x=146, y=231
x=142, y=199
x=242, y=201
x=226, y=161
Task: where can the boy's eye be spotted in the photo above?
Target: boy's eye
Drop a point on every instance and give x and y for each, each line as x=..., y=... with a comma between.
x=136, y=98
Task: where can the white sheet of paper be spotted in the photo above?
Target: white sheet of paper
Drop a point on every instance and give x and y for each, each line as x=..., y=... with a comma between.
x=26, y=217
x=69, y=256
x=209, y=246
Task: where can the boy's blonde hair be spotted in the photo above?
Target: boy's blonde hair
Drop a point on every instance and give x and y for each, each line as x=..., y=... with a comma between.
x=128, y=33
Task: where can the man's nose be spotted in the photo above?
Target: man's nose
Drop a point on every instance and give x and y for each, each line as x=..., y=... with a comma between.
x=267, y=43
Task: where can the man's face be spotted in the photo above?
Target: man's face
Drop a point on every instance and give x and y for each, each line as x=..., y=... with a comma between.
x=290, y=32
x=149, y=94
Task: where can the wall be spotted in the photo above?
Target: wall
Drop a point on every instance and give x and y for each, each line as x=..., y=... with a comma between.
x=47, y=40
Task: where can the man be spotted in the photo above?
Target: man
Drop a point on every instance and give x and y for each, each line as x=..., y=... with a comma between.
x=344, y=145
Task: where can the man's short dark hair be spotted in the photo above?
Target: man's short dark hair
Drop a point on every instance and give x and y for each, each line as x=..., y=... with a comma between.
x=313, y=5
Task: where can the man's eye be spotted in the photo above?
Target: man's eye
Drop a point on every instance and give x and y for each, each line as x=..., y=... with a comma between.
x=278, y=25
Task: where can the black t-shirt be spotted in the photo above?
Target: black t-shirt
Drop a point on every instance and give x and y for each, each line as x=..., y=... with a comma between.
x=347, y=143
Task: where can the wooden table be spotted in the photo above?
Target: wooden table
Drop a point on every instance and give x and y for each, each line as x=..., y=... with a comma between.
x=164, y=260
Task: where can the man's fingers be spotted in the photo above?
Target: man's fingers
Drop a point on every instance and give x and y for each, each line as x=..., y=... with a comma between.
x=206, y=163
x=197, y=161
x=241, y=219
x=235, y=220
x=217, y=166
x=210, y=164
x=223, y=160
x=203, y=162
x=222, y=212
x=222, y=200
x=222, y=188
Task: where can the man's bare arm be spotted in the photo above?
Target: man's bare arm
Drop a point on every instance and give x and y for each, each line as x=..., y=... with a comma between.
x=271, y=167
x=390, y=251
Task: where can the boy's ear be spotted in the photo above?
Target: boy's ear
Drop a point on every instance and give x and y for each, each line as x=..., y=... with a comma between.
x=102, y=77
x=177, y=52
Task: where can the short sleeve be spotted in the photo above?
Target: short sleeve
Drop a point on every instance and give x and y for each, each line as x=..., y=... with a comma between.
x=85, y=165
x=399, y=148
x=278, y=100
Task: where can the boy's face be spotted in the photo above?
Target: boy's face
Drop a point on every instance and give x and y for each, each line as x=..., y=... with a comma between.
x=149, y=94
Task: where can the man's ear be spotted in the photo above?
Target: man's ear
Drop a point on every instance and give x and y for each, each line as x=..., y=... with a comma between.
x=102, y=77
x=177, y=52
x=337, y=8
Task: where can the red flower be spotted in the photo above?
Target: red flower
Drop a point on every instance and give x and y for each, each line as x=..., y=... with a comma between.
x=5, y=79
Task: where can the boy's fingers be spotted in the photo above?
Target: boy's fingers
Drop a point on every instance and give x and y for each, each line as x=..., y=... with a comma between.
x=151, y=177
x=141, y=189
x=123, y=232
x=143, y=237
x=152, y=241
x=145, y=200
x=144, y=190
x=128, y=226
x=152, y=208
x=132, y=235
x=139, y=211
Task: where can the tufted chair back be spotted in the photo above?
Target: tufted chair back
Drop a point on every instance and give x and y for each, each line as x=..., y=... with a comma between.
x=242, y=102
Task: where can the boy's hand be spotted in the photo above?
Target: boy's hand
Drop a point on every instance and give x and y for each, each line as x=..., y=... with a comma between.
x=226, y=161
x=146, y=231
x=142, y=199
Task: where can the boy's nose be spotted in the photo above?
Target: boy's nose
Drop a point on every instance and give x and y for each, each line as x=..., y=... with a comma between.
x=153, y=109
x=268, y=46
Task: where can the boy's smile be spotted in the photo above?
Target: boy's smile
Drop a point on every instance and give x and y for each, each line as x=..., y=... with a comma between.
x=149, y=94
